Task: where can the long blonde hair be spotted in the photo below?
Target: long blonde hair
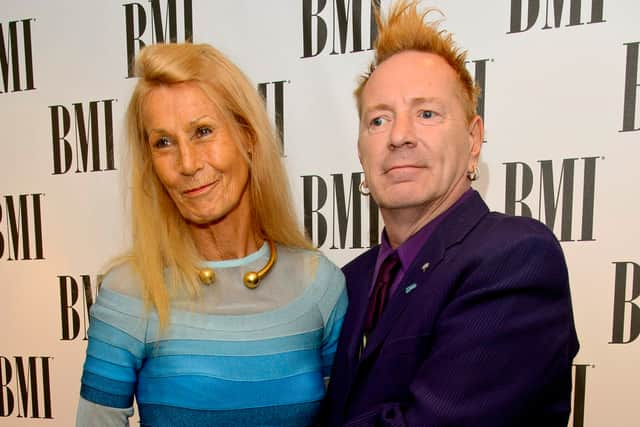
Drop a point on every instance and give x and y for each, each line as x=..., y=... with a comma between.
x=163, y=253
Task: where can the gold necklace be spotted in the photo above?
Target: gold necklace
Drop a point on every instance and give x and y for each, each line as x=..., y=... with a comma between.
x=251, y=279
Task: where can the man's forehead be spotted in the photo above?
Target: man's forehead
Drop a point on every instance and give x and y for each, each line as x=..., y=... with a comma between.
x=411, y=76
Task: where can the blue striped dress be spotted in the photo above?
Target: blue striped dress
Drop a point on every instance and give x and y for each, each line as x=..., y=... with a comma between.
x=265, y=365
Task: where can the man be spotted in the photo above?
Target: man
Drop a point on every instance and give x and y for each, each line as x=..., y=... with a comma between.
x=461, y=317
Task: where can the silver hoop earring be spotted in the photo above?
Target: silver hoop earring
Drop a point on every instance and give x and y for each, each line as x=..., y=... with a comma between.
x=474, y=174
x=363, y=189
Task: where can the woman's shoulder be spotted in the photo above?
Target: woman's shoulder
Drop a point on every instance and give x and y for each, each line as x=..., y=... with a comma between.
x=123, y=279
x=324, y=279
x=316, y=264
x=119, y=306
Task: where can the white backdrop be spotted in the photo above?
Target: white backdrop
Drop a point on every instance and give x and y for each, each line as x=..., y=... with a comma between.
x=562, y=111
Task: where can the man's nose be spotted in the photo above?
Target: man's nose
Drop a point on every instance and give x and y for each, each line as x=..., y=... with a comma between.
x=402, y=132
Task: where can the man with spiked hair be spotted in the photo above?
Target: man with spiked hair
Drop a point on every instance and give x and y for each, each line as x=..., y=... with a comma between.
x=462, y=316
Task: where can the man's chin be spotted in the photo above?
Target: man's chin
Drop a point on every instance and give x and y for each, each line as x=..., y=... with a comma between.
x=398, y=204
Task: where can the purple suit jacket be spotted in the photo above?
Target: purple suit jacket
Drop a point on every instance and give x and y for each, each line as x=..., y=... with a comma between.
x=479, y=333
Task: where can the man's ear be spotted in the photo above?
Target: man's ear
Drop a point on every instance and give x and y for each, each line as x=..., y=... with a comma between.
x=476, y=136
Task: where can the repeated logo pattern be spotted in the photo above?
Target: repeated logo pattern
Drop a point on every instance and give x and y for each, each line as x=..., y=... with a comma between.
x=559, y=96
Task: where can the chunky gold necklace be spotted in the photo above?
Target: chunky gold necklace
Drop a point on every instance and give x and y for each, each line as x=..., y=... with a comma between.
x=251, y=279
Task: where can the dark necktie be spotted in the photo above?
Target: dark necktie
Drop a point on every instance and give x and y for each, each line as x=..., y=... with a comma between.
x=380, y=294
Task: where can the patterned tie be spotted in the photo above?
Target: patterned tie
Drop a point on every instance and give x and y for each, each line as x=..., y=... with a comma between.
x=380, y=293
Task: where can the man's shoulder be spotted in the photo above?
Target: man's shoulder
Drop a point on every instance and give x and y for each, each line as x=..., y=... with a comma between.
x=500, y=235
x=515, y=227
x=362, y=263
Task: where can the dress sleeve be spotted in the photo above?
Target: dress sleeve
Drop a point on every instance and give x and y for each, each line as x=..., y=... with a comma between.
x=93, y=415
x=333, y=306
x=115, y=351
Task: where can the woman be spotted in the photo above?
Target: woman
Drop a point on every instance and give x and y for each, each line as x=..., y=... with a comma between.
x=223, y=313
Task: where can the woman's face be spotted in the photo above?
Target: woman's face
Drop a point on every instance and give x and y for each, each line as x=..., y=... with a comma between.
x=194, y=156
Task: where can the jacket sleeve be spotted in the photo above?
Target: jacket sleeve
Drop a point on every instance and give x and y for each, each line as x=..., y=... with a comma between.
x=505, y=336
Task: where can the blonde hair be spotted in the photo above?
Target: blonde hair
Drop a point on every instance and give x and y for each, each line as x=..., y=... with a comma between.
x=404, y=29
x=163, y=253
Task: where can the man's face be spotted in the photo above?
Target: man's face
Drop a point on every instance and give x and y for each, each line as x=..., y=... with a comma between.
x=415, y=143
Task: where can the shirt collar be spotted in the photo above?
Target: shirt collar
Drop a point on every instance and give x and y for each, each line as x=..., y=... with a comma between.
x=410, y=248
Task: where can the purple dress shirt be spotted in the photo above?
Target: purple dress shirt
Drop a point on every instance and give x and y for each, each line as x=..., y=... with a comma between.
x=409, y=249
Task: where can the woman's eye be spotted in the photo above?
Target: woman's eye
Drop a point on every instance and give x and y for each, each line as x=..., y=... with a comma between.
x=162, y=142
x=203, y=131
x=426, y=114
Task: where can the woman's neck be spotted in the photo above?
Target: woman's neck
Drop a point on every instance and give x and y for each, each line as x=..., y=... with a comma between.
x=226, y=239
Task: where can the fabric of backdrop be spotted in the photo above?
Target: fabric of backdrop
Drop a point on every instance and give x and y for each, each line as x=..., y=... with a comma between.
x=560, y=100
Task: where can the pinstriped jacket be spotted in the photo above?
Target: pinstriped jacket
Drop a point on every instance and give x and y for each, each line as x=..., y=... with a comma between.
x=479, y=333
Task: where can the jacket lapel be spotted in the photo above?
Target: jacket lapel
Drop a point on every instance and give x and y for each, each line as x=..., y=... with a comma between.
x=452, y=230
x=431, y=254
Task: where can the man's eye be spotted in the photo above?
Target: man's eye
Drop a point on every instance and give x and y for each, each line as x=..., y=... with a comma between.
x=377, y=122
x=203, y=131
x=426, y=114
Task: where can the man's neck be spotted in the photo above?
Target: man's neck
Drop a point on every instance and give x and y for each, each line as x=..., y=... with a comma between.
x=400, y=224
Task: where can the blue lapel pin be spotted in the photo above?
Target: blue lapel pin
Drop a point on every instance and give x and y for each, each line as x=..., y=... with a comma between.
x=410, y=288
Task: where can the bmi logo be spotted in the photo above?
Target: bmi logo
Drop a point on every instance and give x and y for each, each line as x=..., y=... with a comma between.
x=478, y=68
x=631, y=89
x=76, y=299
x=273, y=95
x=554, y=12
x=92, y=137
x=558, y=195
x=347, y=21
x=579, y=393
x=345, y=212
x=22, y=217
x=158, y=23
x=626, y=303
x=25, y=386
x=16, y=57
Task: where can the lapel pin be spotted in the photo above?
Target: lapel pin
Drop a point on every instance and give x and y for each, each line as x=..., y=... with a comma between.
x=410, y=288
x=425, y=266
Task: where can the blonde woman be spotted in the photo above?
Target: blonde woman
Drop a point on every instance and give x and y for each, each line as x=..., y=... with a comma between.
x=223, y=313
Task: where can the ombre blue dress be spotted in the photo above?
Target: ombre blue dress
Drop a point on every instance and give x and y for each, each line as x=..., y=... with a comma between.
x=231, y=357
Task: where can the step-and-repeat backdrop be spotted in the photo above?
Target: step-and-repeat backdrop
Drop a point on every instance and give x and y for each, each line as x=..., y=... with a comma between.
x=560, y=97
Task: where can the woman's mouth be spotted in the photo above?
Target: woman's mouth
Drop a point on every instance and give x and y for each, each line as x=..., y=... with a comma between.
x=196, y=191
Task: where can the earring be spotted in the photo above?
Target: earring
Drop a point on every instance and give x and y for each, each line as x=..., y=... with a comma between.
x=474, y=174
x=363, y=189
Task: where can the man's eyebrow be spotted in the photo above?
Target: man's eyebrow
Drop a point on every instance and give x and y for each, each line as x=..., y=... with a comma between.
x=411, y=101
x=381, y=106
x=427, y=99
